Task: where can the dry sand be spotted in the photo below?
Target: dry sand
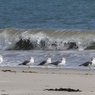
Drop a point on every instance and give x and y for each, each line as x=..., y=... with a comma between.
x=34, y=81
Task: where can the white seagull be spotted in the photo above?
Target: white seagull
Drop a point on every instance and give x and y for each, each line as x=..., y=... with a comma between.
x=1, y=59
x=46, y=62
x=28, y=62
x=89, y=63
x=59, y=63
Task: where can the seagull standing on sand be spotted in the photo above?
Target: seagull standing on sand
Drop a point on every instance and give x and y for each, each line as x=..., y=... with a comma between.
x=28, y=62
x=60, y=63
x=89, y=63
x=1, y=59
x=46, y=62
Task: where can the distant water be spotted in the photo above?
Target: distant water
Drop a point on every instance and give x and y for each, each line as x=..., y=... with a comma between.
x=47, y=28
x=52, y=14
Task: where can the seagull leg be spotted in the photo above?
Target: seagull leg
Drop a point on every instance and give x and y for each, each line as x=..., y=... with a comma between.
x=89, y=67
x=58, y=67
x=46, y=67
x=28, y=66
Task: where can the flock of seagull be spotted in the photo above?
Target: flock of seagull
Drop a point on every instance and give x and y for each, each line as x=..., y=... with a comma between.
x=45, y=62
x=48, y=62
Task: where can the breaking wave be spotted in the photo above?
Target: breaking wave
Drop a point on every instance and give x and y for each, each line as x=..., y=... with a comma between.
x=41, y=39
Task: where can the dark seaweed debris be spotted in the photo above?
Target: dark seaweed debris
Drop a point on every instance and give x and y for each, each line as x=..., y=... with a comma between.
x=29, y=72
x=8, y=71
x=64, y=89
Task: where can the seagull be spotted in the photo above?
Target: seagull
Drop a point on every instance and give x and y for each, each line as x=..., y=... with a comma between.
x=59, y=63
x=46, y=62
x=28, y=62
x=1, y=59
x=89, y=63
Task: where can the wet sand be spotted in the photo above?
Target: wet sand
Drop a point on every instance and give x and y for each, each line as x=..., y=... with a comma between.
x=35, y=81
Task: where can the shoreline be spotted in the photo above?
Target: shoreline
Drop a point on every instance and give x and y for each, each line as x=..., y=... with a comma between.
x=34, y=81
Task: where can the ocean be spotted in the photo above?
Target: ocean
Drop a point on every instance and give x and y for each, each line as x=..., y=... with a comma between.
x=42, y=29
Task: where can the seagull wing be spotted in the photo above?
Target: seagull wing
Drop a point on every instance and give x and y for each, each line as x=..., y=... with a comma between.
x=25, y=62
x=42, y=63
x=55, y=63
x=86, y=64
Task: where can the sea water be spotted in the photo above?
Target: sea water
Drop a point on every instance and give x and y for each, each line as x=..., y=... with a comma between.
x=42, y=29
x=73, y=58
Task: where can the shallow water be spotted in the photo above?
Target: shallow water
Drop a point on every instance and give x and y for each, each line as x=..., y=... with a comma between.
x=73, y=58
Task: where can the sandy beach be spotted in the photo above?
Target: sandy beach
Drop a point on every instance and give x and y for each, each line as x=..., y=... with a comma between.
x=35, y=81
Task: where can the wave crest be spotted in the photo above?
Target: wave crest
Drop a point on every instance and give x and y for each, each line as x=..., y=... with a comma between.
x=40, y=39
